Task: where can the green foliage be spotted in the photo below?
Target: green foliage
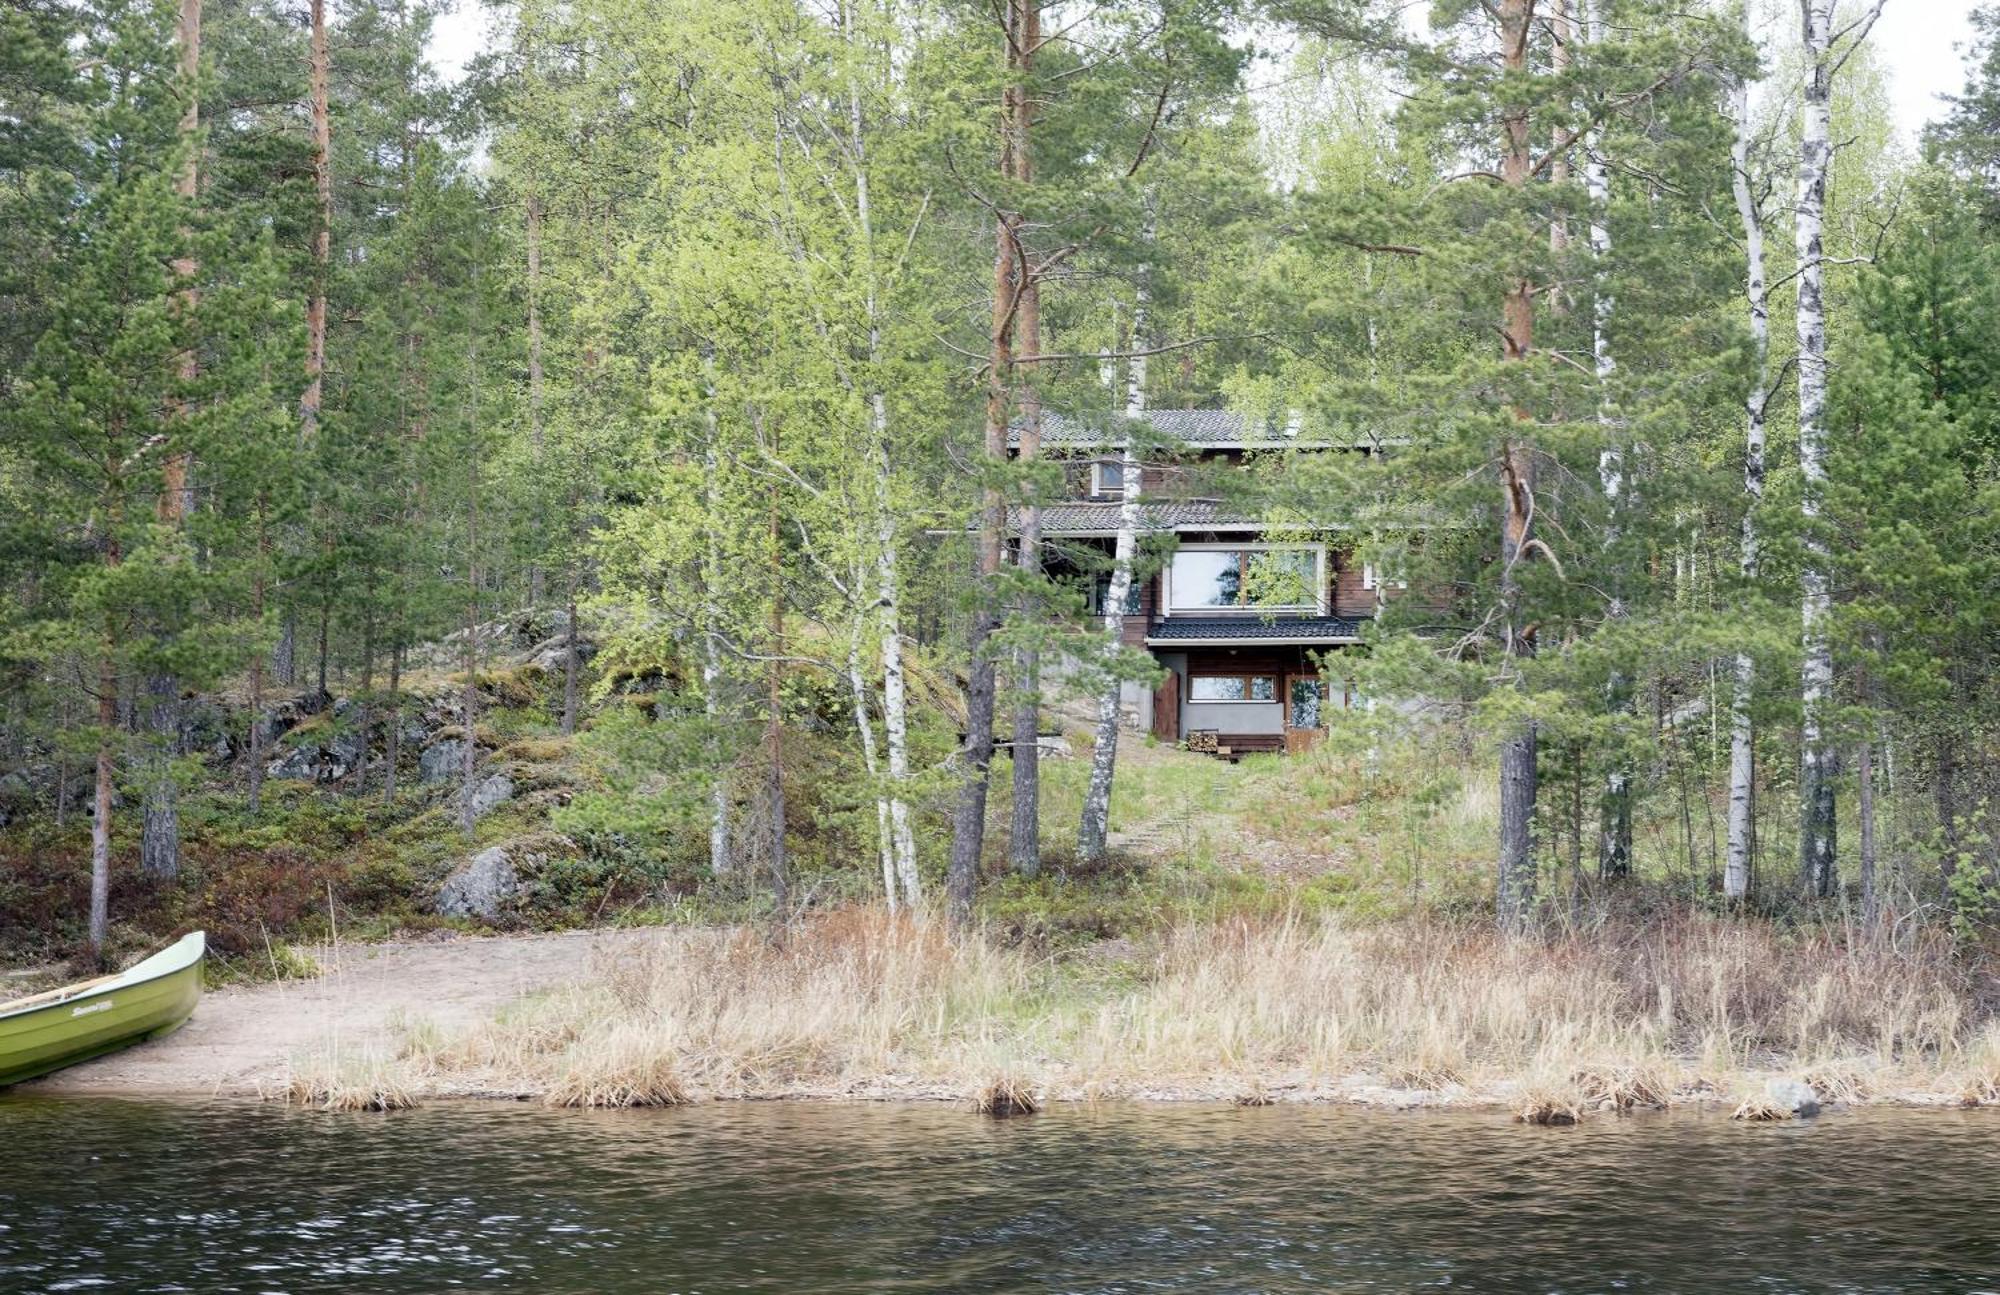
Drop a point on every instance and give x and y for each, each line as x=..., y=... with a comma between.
x=673, y=316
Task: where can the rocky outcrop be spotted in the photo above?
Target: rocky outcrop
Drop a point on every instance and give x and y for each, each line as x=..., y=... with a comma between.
x=17, y=797
x=528, y=637
x=491, y=793
x=483, y=887
x=326, y=752
x=442, y=761
x=297, y=762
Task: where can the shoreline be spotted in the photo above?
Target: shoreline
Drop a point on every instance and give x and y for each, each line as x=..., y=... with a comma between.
x=605, y=1018
x=1356, y=1093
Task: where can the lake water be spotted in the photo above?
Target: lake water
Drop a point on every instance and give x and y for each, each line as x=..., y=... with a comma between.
x=214, y=1197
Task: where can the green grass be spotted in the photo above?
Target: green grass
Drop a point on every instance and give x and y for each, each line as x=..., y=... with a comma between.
x=1377, y=833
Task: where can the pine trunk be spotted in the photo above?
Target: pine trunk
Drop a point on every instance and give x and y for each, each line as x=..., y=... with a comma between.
x=1944, y=794
x=100, y=824
x=322, y=242
x=257, y=597
x=469, y=703
x=1864, y=760
x=159, y=832
x=1516, y=880
x=571, y=651
x=394, y=742
x=968, y=837
x=1614, y=817
x=1024, y=851
x=534, y=286
x=364, y=701
x=159, y=835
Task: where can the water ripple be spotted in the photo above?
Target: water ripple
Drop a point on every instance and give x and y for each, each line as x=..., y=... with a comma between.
x=224, y=1197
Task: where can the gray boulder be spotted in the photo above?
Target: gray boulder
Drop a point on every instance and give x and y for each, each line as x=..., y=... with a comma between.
x=300, y=762
x=490, y=794
x=1793, y=1096
x=482, y=887
x=441, y=760
x=344, y=753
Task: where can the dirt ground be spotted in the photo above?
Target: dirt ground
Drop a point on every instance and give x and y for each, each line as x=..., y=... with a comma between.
x=243, y=1038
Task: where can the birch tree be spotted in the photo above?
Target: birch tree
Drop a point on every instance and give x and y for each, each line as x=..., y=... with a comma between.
x=1093, y=830
x=1749, y=192
x=1826, y=51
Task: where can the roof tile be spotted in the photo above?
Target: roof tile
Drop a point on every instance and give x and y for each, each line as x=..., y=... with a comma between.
x=1178, y=629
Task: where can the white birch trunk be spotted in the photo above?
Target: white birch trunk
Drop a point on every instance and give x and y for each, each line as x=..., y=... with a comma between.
x=1818, y=864
x=895, y=691
x=720, y=860
x=1742, y=769
x=1094, y=830
x=865, y=726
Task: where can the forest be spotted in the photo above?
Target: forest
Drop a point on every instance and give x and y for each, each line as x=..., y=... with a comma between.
x=627, y=456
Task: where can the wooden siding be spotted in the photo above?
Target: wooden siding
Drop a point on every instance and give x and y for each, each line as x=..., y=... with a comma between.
x=1349, y=598
x=1138, y=624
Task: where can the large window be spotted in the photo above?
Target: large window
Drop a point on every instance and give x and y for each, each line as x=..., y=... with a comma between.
x=1100, y=595
x=1250, y=578
x=1233, y=687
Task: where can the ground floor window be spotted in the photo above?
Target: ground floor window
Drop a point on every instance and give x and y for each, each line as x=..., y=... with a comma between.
x=1233, y=687
x=1307, y=696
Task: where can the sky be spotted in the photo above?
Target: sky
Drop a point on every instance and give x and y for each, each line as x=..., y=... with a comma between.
x=1915, y=38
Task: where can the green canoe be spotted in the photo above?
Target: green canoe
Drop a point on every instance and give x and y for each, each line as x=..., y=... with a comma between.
x=59, y=1028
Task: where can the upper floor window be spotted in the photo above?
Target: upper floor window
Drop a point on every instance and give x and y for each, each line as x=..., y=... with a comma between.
x=1373, y=577
x=1100, y=596
x=1254, y=577
x=1107, y=477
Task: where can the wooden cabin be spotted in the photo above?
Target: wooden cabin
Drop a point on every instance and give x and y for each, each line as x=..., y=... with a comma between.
x=1248, y=619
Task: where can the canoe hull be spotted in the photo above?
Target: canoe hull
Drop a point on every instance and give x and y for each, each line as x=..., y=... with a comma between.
x=130, y=1010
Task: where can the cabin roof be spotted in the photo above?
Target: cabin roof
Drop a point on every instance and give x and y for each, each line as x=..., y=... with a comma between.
x=1218, y=429
x=1160, y=515
x=1253, y=629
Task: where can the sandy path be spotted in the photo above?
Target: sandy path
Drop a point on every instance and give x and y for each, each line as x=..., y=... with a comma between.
x=243, y=1037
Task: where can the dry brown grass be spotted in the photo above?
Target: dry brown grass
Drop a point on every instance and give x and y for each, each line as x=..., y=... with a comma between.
x=1980, y=1075
x=857, y=1003
x=1762, y=1110
x=628, y=1067
x=337, y=1079
x=1005, y=1095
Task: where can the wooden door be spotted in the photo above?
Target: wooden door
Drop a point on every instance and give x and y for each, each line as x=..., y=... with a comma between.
x=1167, y=709
x=1305, y=711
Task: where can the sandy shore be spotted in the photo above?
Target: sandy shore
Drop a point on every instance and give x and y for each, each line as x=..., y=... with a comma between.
x=242, y=1039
